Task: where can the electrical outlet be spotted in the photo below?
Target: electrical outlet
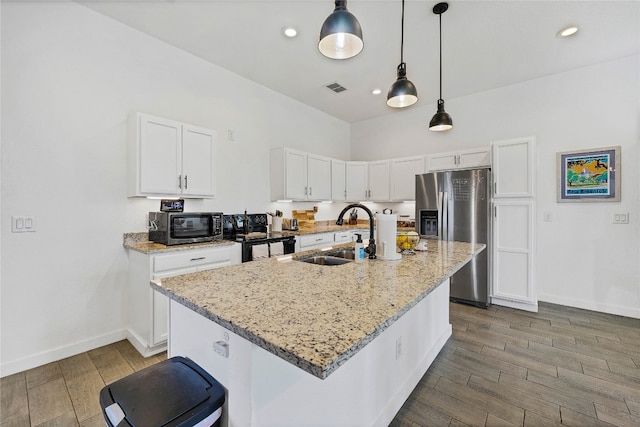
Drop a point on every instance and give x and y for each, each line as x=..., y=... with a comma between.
x=230, y=135
x=548, y=217
x=222, y=348
x=398, y=347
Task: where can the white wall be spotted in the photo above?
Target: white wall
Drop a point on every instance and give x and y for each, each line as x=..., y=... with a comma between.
x=583, y=260
x=69, y=79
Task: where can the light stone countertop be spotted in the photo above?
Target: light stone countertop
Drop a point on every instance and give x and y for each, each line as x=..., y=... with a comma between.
x=314, y=316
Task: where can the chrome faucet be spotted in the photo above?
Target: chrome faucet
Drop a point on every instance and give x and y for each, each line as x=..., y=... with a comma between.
x=371, y=249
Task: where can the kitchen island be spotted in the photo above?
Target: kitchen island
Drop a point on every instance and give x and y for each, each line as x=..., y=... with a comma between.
x=298, y=344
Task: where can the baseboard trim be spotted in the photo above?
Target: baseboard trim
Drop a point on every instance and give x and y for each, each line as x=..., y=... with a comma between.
x=533, y=307
x=590, y=305
x=55, y=354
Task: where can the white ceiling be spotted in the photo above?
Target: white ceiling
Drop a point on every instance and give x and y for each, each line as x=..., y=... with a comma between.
x=486, y=44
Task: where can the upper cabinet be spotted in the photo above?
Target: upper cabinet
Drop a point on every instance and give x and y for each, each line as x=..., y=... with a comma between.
x=169, y=158
x=297, y=175
x=403, y=177
x=464, y=159
x=357, y=178
x=513, y=172
x=379, y=186
x=338, y=180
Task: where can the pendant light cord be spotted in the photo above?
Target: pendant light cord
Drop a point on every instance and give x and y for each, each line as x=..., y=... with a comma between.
x=402, y=35
x=440, y=16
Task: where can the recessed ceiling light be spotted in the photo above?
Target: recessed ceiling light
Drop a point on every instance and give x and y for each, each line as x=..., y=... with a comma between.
x=289, y=32
x=376, y=91
x=567, y=31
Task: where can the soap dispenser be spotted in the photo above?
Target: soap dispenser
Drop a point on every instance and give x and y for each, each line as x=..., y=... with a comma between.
x=359, y=255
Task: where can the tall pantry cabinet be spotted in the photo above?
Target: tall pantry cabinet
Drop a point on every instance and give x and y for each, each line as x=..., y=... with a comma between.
x=513, y=281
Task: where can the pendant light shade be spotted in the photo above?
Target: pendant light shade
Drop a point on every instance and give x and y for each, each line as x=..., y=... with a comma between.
x=441, y=121
x=341, y=34
x=402, y=93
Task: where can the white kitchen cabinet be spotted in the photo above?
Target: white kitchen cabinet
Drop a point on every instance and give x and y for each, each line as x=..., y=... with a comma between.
x=338, y=180
x=146, y=308
x=513, y=280
x=379, y=181
x=513, y=170
x=403, y=177
x=297, y=175
x=357, y=178
x=169, y=158
x=464, y=159
x=513, y=254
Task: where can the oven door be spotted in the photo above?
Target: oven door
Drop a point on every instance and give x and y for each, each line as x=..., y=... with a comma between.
x=265, y=248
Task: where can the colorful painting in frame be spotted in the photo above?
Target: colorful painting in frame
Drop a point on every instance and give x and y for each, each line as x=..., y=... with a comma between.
x=589, y=175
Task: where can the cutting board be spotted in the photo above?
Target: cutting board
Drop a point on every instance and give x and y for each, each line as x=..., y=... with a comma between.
x=306, y=218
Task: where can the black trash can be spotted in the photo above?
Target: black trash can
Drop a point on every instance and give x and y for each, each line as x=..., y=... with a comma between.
x=173, y=393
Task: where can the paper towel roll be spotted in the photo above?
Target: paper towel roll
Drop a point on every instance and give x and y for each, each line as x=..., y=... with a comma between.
x=387, y=228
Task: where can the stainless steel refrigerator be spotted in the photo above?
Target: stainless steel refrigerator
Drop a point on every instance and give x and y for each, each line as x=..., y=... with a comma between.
x=456, y=205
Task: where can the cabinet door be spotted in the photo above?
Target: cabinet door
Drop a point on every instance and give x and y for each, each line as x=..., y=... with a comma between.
x=512, y=164
x=197, y=161
x=357, y=181
x=318, y=177
x=403, y=177
x=295, y=175
x=442, y=161
x=379, y=186
x=160, y=160
x=476, y=158
x=513, y=242
x=160, y=329
x=338, y=180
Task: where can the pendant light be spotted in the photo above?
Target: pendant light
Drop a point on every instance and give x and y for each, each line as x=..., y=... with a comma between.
x=402, y=93
x=441, y=120
x=341, y=35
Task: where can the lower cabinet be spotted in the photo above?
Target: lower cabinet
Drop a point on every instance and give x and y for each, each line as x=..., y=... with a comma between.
x=147, y=310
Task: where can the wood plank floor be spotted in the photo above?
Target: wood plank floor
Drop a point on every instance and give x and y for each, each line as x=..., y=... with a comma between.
x=65, y=393
x=501, y=367
x=505, y=367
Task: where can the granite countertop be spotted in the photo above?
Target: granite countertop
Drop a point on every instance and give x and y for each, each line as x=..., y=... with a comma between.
x=313, y=316
x=139, y=241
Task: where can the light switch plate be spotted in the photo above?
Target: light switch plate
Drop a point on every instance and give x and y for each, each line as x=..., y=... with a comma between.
x=23, y=224
x=621, y=218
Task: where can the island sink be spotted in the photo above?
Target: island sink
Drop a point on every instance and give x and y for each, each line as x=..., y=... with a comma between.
x=324, y=260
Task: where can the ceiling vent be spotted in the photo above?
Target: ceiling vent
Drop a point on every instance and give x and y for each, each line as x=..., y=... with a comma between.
x=336, y=87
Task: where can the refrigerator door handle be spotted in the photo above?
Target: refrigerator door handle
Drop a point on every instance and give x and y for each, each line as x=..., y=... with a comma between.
x=440, y=219
x=445, y=216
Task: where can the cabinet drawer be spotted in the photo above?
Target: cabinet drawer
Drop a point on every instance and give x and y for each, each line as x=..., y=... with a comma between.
x=342, y=237
x=189, y=259
x=315, y=239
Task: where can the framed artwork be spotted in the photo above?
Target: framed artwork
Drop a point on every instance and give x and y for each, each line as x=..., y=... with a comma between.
x=589, y=175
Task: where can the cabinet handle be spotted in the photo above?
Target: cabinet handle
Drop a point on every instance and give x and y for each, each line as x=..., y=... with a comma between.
x=180, y=181
x=319, y=240
x=310, y=191
x=495, y=188
x=198, y=259
x=305, y=191
x=186, y=182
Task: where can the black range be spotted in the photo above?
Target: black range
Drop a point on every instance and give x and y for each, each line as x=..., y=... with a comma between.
x=252, y=230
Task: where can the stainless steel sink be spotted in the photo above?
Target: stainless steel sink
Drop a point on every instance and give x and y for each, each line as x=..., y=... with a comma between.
x=346, y=253
x=324, y=260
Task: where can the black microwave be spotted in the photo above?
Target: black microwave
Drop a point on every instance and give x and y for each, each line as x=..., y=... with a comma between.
x=178, y=228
